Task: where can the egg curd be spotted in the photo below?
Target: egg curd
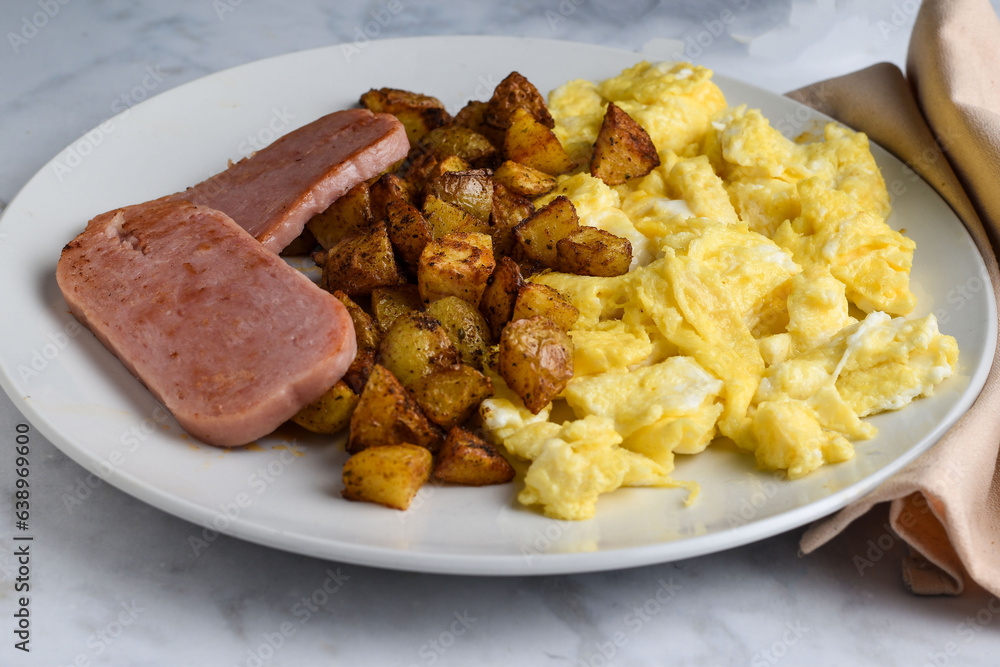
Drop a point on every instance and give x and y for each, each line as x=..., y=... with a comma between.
x=763, y=303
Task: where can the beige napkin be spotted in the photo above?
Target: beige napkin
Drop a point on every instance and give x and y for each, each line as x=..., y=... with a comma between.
x=946, y=504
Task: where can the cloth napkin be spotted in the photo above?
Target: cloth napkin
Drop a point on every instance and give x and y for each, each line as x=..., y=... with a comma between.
x=943, y=120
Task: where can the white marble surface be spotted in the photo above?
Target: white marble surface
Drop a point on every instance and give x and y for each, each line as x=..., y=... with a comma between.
x=114, y=581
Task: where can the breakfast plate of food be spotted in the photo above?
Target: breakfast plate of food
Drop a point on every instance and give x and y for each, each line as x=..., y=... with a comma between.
x=579, y=311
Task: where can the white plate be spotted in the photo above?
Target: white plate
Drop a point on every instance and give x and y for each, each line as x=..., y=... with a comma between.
x=286, y=494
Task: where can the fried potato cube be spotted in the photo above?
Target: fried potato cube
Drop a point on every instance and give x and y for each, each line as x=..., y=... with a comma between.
x=500, y=295
x=537, y=299
x=418, y=113
x=366, y=331
x=537, y=235
x=471, y=190
x=408, y=231
x=523, y=180
x=388, y=415
x=457, y=264
x=445, y=218
x=458, y=140
x=388, y=303
x=358, y=264
x=388, y=188
x=469, y=460
x=589, y=251
x=389, y=475
x=623, y=149
x=356, y=375
x=473, y=116
x=513, y=93
x=449, y=395
x=329, y=413
x=465, y=326
x=426, y=166
x=536, y=360
x=529, y=142
x=509, y=209
x=348, y=215
x=414, y=345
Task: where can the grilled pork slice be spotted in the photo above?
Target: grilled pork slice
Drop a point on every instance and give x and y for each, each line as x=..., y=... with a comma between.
x=228, y=337
x=273, y=193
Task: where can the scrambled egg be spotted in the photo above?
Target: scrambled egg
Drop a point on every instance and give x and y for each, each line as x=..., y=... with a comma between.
x=763, y=303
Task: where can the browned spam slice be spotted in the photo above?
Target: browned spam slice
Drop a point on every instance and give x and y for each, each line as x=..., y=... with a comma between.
x=228, y=337
x=273, y=193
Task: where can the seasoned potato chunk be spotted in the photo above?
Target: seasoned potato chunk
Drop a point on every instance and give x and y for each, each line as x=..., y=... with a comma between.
x=361, y=366
x=513, y=93
x=329, y=413
x=465, y=326
x=359, y=264
x=471, y=190
x=419, y=114
x=414, y=345
x=523, y=180
x=529, y=142
x=500, y=295
x=536, y=360
x=365, y=329
x=445, y=218
x=408, y=231
x=589, y=251
x=388, y=303
x=388, y=415
x=536, y=299
x=388, y=187
x=469, y=460
x=473, y=116
x=537, y=235
x=458, y=140
x=457, y=264
x=623, y=150
x=449, y=395
x=389, y=475
x=349, y=215
x=509, y=209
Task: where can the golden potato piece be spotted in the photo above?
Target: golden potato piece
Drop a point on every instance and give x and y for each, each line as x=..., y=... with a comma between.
x=359, y=264
x=589, y=251
x=623, y=150
x=471, y=190
x=451, y=394
x=361, y=366
x=536, y=360
x=329, y=413
x=473, y=116
x=529, y=142
x=537, y=299
x=414, y=345
x=426, y=166
x=388, y=188
x=458, y=140
x=457, y=264
x=366, y=331
x=523, y=180
x=509, y=209
x=388, y=303
x=349, y=215
x=388, y=415
x=408, y=231
x=513, y=93
x=445, y=218
x=389, y=475
x=418, y=113
x=537, y=235
x=500, y=295
x=469, y=460
x=465, y=326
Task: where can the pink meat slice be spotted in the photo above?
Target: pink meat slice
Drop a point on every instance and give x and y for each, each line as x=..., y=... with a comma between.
x=273, y=193
x=223, y=332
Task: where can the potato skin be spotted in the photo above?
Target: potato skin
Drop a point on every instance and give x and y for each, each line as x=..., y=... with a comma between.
x=359, y=264
x=536, y=360
x=408, y=231
x=469, y=460
x=523, y=180
x=500, y=295
x=536, y=236
x=623, y=149
x=513, y=93
x=451, y=394
x=386, y=414
x=465, y=326
x=509, y=210
x=414, y=345
x=470, y=190
x=388, y=303
x=446, y=218
x=418, y=113
x=389, y=475
x=589, y=251
x=331, y=412
x=458, y=140
x=537, y=299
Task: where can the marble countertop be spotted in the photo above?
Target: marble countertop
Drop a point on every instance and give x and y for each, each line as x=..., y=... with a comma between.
x=114, y=581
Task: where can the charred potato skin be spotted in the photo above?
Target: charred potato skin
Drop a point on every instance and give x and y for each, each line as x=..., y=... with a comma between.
x=465, y=326
x=331, y=412
x=589, y=251
x=457, y=264
x=536, y=360
x=386, y=414
x=414, y=345
x=470, y=461
x=450, y=395
x=390, y=475
x=359, y=264
x=623, y=149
